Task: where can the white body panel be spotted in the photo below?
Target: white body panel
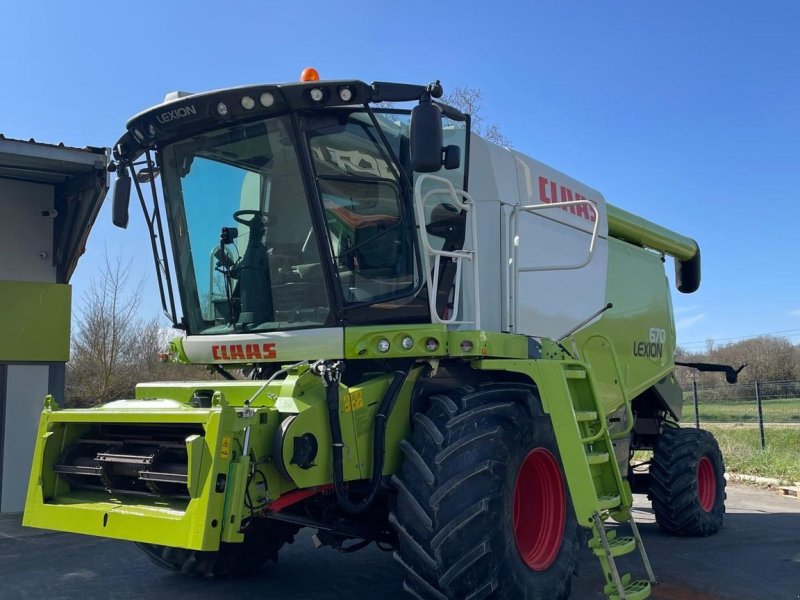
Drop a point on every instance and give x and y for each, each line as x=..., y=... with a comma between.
x=283, y=346
x=556, y=298
x=492, y=180
x=552, y=302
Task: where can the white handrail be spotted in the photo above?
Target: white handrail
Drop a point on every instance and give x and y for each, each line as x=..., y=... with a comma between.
x=538, y=207
x=432, y=274
x=517, y=269
x=508, y=273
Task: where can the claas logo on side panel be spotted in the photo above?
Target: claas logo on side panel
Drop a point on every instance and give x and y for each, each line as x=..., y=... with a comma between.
x=244, y=351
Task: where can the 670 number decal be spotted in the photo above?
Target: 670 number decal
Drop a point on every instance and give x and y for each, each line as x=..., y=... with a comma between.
x=654, y=346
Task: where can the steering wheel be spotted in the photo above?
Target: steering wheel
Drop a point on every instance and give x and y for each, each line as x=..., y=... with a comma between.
x=267, y=219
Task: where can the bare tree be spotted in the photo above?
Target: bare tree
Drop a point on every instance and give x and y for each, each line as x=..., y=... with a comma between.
x=104, y=338
x=470, y=100
x=113, y=349
x=768, y=358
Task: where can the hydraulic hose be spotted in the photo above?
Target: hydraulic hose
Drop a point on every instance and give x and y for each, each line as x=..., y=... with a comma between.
x=331, y=379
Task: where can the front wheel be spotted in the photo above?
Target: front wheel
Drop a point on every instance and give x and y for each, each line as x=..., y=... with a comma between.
x=687, y=482
x=483, y=509
x=262, y=540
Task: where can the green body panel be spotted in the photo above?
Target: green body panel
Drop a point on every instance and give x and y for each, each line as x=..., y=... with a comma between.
x=195, y=523
x=236, y=392
x=487, y=344
x=296, y=404
x=301, y=397
x=34, y=319
x=362, y=342
x=599, y=351
x=625, y=360
x=363, y=401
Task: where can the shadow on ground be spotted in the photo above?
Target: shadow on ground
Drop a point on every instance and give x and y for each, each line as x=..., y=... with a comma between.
x=755, y=556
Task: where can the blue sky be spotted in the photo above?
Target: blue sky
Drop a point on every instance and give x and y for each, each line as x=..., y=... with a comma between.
x=683, y=112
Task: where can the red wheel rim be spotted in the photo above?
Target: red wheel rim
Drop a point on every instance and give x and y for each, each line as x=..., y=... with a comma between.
x=706, y=484
x=540, y=509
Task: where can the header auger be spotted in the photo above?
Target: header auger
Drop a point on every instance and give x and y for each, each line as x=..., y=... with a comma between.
x=427, y=341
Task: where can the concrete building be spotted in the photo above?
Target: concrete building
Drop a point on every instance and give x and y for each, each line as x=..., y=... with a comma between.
x=49, y=199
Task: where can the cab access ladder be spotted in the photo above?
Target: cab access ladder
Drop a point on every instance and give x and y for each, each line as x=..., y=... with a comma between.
x=595, y=483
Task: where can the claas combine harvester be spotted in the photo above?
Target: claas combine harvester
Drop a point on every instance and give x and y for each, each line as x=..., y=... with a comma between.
x=425, y=341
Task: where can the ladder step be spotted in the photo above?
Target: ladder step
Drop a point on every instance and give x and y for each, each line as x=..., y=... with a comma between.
x=634, y=590
x=609, y=501
x=586, y=415
x=597, y=458
x=618, y=546
x=575, y=374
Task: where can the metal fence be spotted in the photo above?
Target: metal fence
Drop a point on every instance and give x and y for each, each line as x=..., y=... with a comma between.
x=760, y=403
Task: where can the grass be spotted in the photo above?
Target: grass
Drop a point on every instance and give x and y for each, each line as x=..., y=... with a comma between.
x=785, y=410
x=741, y=449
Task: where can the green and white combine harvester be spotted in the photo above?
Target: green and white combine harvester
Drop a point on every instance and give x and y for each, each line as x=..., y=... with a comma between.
x=440, y=345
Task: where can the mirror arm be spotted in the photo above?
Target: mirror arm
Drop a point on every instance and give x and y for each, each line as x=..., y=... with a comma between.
x=451, y=112
x=388, y=152
x=384, y=91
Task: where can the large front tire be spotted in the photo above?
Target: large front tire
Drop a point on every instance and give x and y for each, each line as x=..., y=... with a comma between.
x=483, y=510
x=262, y=540
x=687, y=482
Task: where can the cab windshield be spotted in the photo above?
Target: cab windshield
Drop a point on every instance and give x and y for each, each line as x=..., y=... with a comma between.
x=248, y=256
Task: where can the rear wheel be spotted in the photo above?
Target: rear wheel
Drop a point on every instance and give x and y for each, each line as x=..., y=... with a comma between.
x=483, y=510
x=687, y=483
x=262, y=540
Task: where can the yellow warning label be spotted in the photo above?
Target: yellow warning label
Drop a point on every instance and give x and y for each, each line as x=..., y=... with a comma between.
x=225, y=451
x=354, y=401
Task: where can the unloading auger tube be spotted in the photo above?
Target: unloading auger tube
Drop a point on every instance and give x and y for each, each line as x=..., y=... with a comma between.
x=637, y=230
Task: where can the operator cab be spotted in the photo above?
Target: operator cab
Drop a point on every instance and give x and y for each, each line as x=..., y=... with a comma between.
x=291, y=206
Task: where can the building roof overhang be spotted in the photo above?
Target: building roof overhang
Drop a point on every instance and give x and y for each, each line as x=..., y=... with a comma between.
x=80, y=182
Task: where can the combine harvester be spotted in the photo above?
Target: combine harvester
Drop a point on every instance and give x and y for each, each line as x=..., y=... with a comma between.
x=440, y=345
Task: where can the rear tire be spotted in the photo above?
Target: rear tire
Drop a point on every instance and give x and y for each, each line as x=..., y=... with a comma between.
x=262, y=540
x=687, y=482
x=483, y=510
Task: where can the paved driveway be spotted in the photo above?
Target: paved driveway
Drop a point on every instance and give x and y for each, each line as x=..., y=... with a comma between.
x=756, y=556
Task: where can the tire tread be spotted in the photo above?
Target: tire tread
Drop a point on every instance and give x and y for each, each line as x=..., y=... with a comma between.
x=447, y=524
x=673, y=482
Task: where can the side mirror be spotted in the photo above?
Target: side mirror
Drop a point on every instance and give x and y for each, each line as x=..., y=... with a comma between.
x=122, y=197
x=147, y=174
x=426, y=137
x=452, y=157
